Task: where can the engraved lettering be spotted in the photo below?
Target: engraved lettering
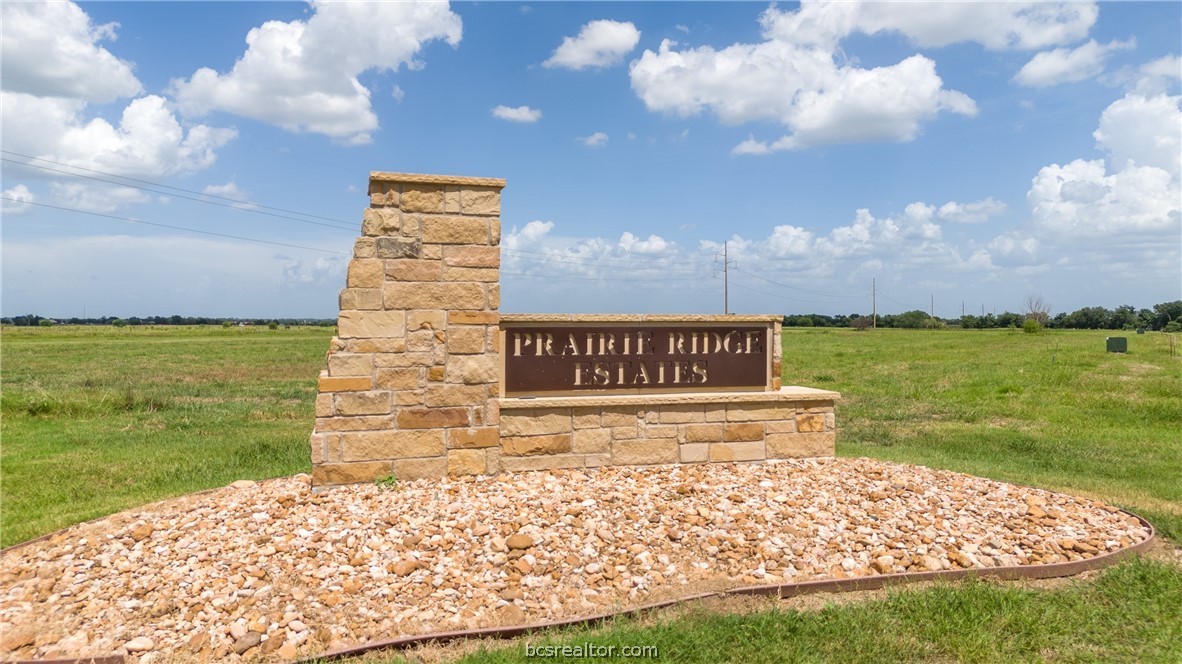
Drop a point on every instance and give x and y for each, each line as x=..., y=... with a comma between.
x=644, y=343
x=581, y=369
x=602, y=377
x=699, y=369
x=571, y=347
x=642, y=376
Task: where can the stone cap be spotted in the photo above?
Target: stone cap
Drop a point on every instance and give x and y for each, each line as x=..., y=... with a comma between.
x=792, y=393
x=418, y=178
x=639, y=318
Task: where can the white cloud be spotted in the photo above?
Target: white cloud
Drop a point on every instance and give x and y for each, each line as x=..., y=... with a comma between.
x=149, y=140
x=1068, y=65
x=994, y=25
x=793, y=78
x=655, y=244
x=596, y=140
x=599, y=44
x=302, y=76
x=1014, y=249
x=1136, y=194
x=16, y=200
x=971, y=213
x=51, y=49
x=96, y=198
x=1146, y=131
x=229, y=190
x=518, y=114
x=530, y=234
x=1157, y=75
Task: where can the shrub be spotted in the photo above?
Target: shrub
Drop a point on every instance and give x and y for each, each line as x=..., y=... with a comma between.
x=862, y=323
x=1031, y=326
x=119, y=322
x=1173, y=326
x=45, y=322
x=273, y=325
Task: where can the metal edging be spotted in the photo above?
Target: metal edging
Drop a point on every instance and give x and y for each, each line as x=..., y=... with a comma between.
x=781, y=591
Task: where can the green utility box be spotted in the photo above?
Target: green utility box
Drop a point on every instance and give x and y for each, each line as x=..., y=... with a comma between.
x=1118, y=344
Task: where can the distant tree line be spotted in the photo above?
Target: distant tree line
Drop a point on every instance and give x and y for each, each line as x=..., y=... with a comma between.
x=1166, y=316
x=30, y=320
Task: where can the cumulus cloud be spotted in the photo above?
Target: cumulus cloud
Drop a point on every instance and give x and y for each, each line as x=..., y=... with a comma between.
x=971, y=213
x=230, y=190
x=51, y=49
x=302, y=76
x=794, y=78
x=1068, y=65
x=1146, y=131
x=994, y=25
x=518, y=114
x=530, y=234
x=655, y=244
x=16, y=200
x=149, y=140
x=599, y=44
x=596, y=140
x=54, y=73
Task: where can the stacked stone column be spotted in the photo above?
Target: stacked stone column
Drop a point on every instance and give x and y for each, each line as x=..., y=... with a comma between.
x=413, y=374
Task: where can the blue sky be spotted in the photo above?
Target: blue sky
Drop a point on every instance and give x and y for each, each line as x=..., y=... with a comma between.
x=967, y=153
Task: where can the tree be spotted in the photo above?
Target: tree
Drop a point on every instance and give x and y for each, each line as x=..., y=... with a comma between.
x=1038, y=309
x=119, y=322
x=861, y=323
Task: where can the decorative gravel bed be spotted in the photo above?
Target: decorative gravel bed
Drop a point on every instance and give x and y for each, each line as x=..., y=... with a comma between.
x=271, y=569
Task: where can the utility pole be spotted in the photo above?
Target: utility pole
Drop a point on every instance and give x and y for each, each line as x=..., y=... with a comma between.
x=874, y=303
x=933, y=305
x=962, y=308
x=726, y=282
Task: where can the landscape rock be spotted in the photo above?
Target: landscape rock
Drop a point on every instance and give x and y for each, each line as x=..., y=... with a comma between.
x=204, y=578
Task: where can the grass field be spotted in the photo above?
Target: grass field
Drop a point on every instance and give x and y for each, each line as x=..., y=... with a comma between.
x=97, y=420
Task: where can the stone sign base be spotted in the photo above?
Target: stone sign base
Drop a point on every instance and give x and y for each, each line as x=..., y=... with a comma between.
x=587, y=431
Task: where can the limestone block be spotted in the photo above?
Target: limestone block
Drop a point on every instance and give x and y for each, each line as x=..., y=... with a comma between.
x=586, y=441
x=494, y=231
x=795, y=445
x=703, y=433
x=433, y=295
x=830, y=421
x=682, y=414
x=371, y=324
x=349, y=473
x=324, y=405
x=396, y=444
x=742, y=412
x=364, y=247
x=381, y=198
x=319, y=443
x=398, y=247
x=426, y=319
x=624, y=433
x=781, y=426
x=346, y=384
x=473, y=438
x=586, y=419
x=455, y=395
x=597, y=460
x=662, y=450
x=376, y=346
x=468, y=256
x=810, y=423
x=465, y=462
x=417, y=469
x=380, y=221
x=465, y=340
x=745, y=451
x=454, y=230
x=716, y=414
x=493, y=340
x=451, y=200
x=695, y=452
x=360, y=298
x=350, y=364
x=420, y=341
x=414, y=270
x=432, y=418
x=535, y=422
x=534, y=445
x=435, y=374
x=365, y=273
x=492, y=459
x=746, y=431
x=404, y=378
x=433, y=252
x=494, y=297
x=480, y=201
x=473, y=317
x=473, y=369
x=363, y=403
x=818, y=406
x=482, y=274
x=659, y=431
x=511, y=464
x=492, y=412
x=389, y=360
x=362, y=423
x=620, y=416
x=421, y=198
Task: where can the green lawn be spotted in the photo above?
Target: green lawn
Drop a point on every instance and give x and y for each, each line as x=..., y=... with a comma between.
x=97, y=420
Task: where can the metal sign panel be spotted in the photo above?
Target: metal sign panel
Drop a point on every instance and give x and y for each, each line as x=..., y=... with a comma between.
x=628, y=357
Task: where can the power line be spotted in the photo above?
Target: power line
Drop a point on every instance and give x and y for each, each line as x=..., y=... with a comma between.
x=231, y=203
x=574, y=261
x=179, y=228
x=603, y=260
x=559, y=276
x=797, y=288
